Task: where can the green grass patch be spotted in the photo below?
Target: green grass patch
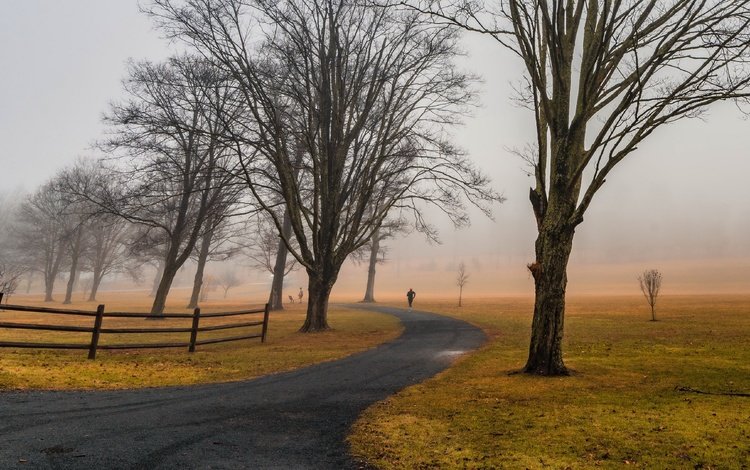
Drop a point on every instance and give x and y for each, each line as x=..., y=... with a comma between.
x=621, y=407
x=285, y=349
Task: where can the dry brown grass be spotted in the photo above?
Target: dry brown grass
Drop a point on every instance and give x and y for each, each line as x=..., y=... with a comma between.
x=285, y=349
x=621, y=407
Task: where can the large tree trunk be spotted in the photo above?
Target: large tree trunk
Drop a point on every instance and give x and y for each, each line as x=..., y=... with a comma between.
x=275, y=299
x=553, y=247
x=319, y=290
x=374, y=250
x=198, y=281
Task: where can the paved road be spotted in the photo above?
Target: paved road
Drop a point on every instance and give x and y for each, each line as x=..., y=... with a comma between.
x=291, y=420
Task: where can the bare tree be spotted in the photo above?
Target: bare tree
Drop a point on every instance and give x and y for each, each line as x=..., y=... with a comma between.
x=39, y=234
x=228, y=279
x=375, y=252
x=168, y=129
x=11, y=271
x=462, y=277
x=650, y=282
x=215, y=245
x=74, y=218
x=108, y=253
x=103, y=233
x=368, y=92
x=267, y=251
x=601, y=76
x=12, y=265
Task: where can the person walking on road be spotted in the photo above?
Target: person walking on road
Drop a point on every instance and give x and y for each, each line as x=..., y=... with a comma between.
x=410, y=296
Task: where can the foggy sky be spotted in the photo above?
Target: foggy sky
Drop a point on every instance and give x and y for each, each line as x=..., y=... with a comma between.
x=680, y=203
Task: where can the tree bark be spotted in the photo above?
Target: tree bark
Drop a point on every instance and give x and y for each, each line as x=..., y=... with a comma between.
x=275, y=299
x=160, y=299
x=75, y=255
x=319, y=291
x=170, y=268
x=553, y=247
x=202, y=258
x=374, y=250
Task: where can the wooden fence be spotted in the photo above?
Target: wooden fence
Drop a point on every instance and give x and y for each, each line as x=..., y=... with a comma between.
x=97, y=329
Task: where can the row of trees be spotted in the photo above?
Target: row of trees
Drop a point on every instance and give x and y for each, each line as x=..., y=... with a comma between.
x=330, y=119
x=344, y=109
x=367, y=90
x=326, y=150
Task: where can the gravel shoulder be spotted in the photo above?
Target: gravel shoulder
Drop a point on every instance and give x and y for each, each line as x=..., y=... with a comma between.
x=297, y=419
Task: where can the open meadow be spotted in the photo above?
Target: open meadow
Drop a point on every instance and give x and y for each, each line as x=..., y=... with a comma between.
x=285, y=348
x=666, y=394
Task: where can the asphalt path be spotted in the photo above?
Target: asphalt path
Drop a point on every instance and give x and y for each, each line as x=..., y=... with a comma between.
x=290, y=420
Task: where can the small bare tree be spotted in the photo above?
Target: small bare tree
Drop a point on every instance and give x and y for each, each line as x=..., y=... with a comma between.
x=461, y=279
x=228, y=279
x=650, y=282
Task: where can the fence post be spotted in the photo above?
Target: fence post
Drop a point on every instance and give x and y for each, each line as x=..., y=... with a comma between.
x=97, y=330
x=265, y=324
x=194, y=329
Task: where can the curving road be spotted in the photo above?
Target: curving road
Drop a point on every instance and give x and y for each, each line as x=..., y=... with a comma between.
x=291, y=420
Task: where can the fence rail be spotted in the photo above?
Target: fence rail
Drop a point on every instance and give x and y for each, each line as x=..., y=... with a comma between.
x=97, y=330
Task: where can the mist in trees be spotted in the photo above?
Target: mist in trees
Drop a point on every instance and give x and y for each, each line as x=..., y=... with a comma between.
x=177, y=182
x=12, y=265
x=39, y=234
x=369, y=106
x=600, y=78
x=374, y=252
x=267, y=251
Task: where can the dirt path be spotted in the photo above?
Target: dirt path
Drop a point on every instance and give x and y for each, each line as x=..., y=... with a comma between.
x=291, y=420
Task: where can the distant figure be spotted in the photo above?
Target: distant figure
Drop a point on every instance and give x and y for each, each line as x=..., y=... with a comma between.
x=410, y=296
x=300, y=295
x=291, y=299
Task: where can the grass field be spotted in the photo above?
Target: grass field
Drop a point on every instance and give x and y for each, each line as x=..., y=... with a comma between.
x=285, y=348
x=622, y=407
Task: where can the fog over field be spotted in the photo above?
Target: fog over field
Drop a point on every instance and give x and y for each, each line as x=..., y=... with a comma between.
x=681, y=203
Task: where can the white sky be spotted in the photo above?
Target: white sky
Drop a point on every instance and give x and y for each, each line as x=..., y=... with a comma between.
x=681, y=202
